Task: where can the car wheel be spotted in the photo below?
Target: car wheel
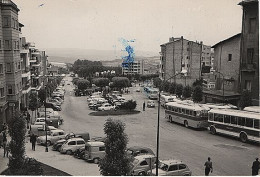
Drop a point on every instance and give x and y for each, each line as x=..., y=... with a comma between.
x=48, y=143
x=142, y=173
x=243, y=137
x=59, y=149
x=96, y=161
x=213, y=130
x=186, y=124
x=69, y=152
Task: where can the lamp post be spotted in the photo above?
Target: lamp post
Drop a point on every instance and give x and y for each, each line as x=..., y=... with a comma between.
x=222, y=86
x=158, y=122
x=46, y=148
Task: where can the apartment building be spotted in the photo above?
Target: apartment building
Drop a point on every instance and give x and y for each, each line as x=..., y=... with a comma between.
x=11, y=80
x=136, y=67
x=180, y=55
x=249, y=73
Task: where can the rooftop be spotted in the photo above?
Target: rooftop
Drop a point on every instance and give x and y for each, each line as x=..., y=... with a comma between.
x=245, y=2
x=228, y=39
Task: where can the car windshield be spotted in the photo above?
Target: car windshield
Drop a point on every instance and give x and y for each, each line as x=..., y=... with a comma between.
x=163, y=166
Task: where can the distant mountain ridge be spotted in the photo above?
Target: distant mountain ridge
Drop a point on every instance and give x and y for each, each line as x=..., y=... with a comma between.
x=71, y=55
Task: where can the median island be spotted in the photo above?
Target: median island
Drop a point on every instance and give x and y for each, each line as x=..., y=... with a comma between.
x=114, y=112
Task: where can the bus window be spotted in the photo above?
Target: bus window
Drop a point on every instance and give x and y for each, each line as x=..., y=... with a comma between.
x=183, y=111
x=211, y=116
x=241, y=121
x=194, y=113
x=226, y=119
x=234, y=120
x=256, y=124
x=249, y=122
x=176, y=109
x=187, y=111
x=216, y=117
x=220, y=118
x=179, y=110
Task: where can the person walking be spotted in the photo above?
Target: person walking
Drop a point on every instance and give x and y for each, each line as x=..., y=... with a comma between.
x=144, y=106
x=208, y=167
x=33, y=141
x=255, y=167
x=4, y=141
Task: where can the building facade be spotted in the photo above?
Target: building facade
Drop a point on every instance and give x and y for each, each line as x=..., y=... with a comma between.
x=10, y=61
x=136, y=67
x=180, y=55
x=249, y=60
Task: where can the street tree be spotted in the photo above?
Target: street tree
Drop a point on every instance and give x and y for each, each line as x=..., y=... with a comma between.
x=83, y=84
x=179, y=90
x=120, y=82
x=41, y=95
x=245, y=99
x=197, y=94
x=101, y=82
x=157, y=82
x=187, y=92
x=33, y=101
x=172, y=88
x=116, y=162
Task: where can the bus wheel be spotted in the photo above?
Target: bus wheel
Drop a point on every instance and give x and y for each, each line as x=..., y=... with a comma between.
x=213, y=130
x=96, y=161
x=170, y=117
x=186, y=124
x=243, y=137
x=142, y=173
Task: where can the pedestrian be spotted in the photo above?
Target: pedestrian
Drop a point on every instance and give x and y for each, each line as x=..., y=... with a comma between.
x=7, y=148
x=208, y=167
x=33, y=141
x=4, y=127
x=28, y=119
x=144, y=106
x=255, y=167
x=4, y=141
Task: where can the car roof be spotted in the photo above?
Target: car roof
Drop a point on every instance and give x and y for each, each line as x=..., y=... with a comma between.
x=137, y=148
x=142, y=157
x=95, y=143
x=75, y=139
x=57, y=130
x=171, y=161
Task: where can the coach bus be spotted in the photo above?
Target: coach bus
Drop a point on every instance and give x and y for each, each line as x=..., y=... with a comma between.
x=237, y=123
x=166, y=99
x=151, y=93
x=190, y=115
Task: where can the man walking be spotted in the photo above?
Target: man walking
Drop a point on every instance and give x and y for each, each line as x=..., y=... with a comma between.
x=208, y=167
x=4, y=142
x=255, y=167
x=144, y=106
x=33, y=141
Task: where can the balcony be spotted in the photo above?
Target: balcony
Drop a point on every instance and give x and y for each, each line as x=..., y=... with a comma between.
x=33, y=60
x=36, y=65
x=26, y=89
x=24, y=51
x=248, y=67
x=2, y=101
x=36, y=53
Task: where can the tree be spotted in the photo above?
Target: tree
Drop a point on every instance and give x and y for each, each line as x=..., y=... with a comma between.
x=116, y=162
x=33, y=102
x=197, y=83
x=120, y=82
x=130, y=104
x=187, y=92
x=41, y=95
x=197, y=94
x=83, y=84
x=157, y=82
x=172, y=88
x=179, y=89
x=245, y=99
x=101, y=82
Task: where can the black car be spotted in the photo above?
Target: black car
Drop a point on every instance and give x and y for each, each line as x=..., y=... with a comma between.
x=138, y=150
x=79, y=153
x=56, y=146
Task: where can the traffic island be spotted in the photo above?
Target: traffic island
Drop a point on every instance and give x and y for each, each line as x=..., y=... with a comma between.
x=114, y=113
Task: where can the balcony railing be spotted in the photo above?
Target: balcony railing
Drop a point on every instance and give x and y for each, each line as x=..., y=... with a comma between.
x=248, y=67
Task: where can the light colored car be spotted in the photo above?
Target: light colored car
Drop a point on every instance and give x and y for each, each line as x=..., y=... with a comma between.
x=140, y=164
x=106, y=107
x=53, y=136
x=138, y=90
x=39, y=121
x=71, y=145
x=150, y=104
x=172, y=168
x=121, y=99
x=94, y=151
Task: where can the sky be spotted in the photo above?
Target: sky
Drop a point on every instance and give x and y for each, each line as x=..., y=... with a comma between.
x=100, y=24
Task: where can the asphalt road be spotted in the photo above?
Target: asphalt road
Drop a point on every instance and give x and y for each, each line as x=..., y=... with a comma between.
x=229, y=156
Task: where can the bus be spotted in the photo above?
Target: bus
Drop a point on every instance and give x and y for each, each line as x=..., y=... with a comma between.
x=151, y=93
x=166, y=99
x=190, y=115
x=255, y=109
x=237, y=123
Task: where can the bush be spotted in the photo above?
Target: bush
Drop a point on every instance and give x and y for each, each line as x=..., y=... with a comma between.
x=197, y=94
x=131, y=105
x=179, y=89
x=245, y=99
x=187, y=92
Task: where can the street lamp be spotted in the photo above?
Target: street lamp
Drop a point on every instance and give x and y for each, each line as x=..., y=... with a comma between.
x=222, y=86
x=46, y=148
x=158, y=123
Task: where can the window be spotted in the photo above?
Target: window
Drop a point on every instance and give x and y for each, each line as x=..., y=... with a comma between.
x=143, y=163
x=2, y=92
x=173, y=168
x=61, y=133
x=72, y=143
x=8, y=67
x=229, y=57
x=1, y=68
x=144, y=151
x=226, y=119
x=252, y=25
x=182, y=166
x=249, y=122
x=6, y=22
x=80, y=142
x=194, y=113
x=179, y=110
x=0, y=44
x=9, y=90
x=102, y=148
x=183, y=111
x=241, y=121
x=19, y=65
x=220, y=118
x=7, y=44
x=234, y=120
x=248, y=85
x=250, y=55
x=257, y=124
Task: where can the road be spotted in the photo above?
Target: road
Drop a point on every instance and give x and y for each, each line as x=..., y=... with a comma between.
x=229, y=156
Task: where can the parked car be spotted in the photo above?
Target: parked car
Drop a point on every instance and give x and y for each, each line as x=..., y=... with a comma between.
x=138, y=150
x=94, y=151
x=53, y=136
x=39, y=130
x=80, y=153
x=138, y=90
x=106, y=107
x=54, y=106
x=140, y=166
x=150, y=104
x=172, y=168
x=71, y=145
